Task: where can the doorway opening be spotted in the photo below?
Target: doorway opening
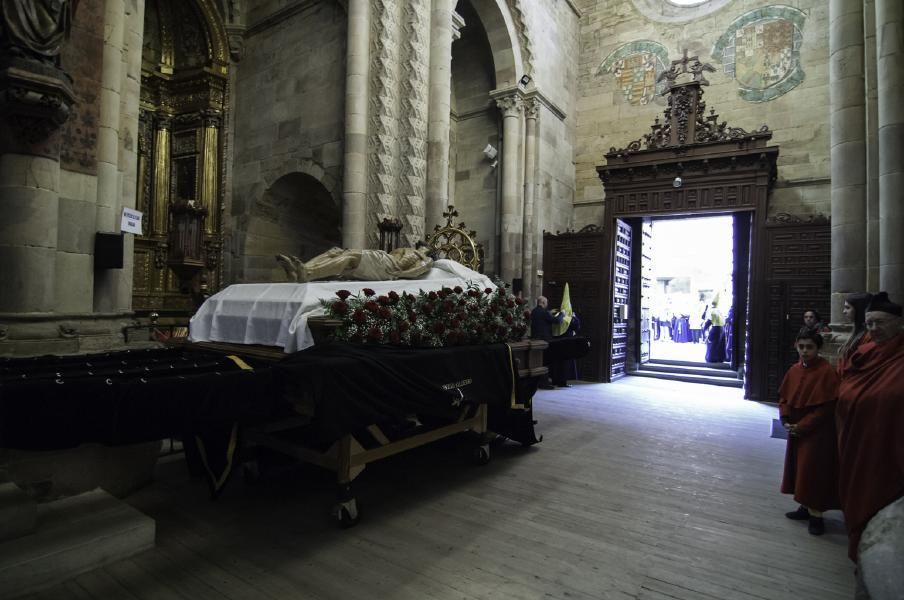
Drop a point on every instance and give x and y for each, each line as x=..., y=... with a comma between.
x=688, y=296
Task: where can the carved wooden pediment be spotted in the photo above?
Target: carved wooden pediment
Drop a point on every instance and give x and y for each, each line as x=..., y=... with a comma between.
x=686, y=122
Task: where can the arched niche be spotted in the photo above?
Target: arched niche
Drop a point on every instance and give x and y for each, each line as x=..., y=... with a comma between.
x=502, y=35
x=474, y=123
x=296, y=215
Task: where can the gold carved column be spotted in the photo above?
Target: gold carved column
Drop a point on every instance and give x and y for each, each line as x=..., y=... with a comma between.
x=210, y=172
x=162, y=165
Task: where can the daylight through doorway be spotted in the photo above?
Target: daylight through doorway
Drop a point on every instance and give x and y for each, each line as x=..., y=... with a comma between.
x=690, y=263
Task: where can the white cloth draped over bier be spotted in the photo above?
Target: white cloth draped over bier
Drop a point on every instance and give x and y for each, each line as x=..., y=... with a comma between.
x=276, y=314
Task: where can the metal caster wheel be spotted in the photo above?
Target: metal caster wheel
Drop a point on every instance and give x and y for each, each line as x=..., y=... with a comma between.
x=481, y=454
x=251, y=472
x=345, y=514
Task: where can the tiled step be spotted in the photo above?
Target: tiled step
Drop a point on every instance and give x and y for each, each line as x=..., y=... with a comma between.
x=73, y=535
x=706, y=379
x=690, y=370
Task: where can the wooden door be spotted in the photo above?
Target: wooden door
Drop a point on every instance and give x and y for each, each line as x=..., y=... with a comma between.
x=579, y=259
x=797, y=279
x=621, y=298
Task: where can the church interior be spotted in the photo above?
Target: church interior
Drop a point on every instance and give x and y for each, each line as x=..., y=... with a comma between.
x=157, y=157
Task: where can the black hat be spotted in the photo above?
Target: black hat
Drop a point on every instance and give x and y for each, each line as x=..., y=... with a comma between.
x=881, y=303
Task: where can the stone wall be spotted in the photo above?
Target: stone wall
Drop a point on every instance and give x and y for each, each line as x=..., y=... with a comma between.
x=289, y=118
x=623, y=49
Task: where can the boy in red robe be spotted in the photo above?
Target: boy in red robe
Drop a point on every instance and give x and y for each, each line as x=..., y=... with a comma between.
x=807, y=409
x=871, y=423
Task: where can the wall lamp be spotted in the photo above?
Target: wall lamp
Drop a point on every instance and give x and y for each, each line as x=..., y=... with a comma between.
x=525, y=79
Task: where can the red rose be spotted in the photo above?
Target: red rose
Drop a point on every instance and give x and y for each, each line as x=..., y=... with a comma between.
x=488, y=291
x=412, y=316
x=368, y=292
x=448, y=306
x=432, y=295
x=383, y=300
x=359, y=316
x=510, y=304
x=339, y=307
x=371, y=306
x=393, y=297
x=527, y=314
x=374, y=334
x=343, y=294
x=457, y=289
x=519, y=301
x=473, y=293
x=404, y=325
x=384, y=312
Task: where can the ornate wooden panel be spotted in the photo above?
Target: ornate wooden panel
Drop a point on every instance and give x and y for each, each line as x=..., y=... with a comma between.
x=621, y=298
x=579, y=259
x=798, y=255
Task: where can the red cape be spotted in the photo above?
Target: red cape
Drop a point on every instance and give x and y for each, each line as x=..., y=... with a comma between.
x=807, y=399
x=810, y=385
x=871, y=434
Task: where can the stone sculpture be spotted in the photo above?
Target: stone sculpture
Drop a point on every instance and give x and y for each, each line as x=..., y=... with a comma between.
x=362, y=265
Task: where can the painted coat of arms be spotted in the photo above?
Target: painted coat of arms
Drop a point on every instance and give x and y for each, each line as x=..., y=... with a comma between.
x=761, y=50
x=636, y=67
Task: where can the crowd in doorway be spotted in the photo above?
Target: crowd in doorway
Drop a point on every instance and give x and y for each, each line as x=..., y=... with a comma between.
x=704, y=322
x=845, y=447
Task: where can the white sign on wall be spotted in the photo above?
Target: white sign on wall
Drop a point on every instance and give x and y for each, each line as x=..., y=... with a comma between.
x=131, y=221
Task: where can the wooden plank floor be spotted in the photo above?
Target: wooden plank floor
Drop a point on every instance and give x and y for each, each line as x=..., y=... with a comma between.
x=643, y=489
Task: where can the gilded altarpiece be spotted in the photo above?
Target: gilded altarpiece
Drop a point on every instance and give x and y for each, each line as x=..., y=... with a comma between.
x=180, y=146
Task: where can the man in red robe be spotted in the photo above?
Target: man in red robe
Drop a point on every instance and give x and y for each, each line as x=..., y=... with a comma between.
x=807, y=408
x=871, y=421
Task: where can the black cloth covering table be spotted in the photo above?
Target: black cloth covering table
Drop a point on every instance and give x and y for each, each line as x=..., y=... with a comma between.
x=345, y=387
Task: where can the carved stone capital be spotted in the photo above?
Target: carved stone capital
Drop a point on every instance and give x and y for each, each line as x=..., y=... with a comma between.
x=511, y=106
x=531, y=108
x=458, y=23
x=35, y=99
x=236, y=37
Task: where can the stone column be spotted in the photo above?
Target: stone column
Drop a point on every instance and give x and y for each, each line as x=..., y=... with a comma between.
x=109, y=191
x=414, y=99
x=848, y=150
x=528, y=270
x=354, y=184
x=162, y=155
x=35, y=102
x=890, y=67
x=511, y=230
x=872, y=146
x=445, y=28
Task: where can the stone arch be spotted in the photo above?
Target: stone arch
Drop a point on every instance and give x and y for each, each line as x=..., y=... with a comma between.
x=296, y=214
x=502, y=30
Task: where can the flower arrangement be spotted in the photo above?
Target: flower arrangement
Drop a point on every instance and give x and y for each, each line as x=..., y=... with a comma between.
x=447, y=317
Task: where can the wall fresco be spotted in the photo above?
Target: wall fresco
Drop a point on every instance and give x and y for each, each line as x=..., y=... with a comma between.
x=636, y=67
x=761, y=51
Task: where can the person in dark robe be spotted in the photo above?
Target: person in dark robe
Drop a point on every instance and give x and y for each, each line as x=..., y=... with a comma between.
x=807, y=409
x=854, y=312
x=563, y=370
x=728, y=333
x=715, y=341
x=541, y=321
x=870, y=418
x=812, y=322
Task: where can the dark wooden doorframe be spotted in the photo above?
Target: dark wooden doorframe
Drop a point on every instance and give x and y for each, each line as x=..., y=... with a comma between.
x=690, y=164
x=741, y=230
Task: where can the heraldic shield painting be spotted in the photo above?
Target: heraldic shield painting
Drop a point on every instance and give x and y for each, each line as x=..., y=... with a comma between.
x=761, y=50
x=636, y=67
